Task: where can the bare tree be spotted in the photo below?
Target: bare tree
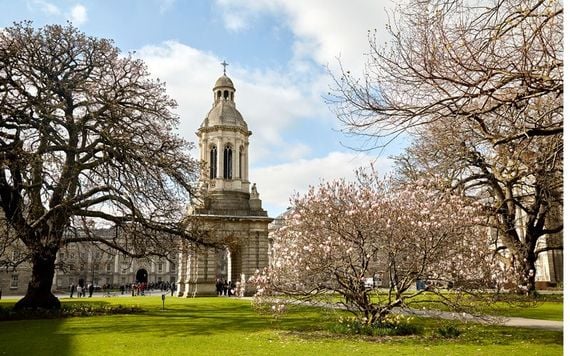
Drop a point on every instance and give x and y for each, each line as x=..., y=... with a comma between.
x=481, y=85
x=86, y=141
x=519, y=183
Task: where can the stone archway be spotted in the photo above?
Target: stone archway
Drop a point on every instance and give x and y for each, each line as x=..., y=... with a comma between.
x=246, y=252
x=142, y=276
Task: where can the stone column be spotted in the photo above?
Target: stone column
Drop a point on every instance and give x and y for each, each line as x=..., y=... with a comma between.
x=220, y=173
x=246, y=162
x=116, y=267
x=182, y=256
x=235, y=159
x=187, y=290
x=205, y=157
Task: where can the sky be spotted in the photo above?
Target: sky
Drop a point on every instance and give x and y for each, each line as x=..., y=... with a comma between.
x=280, y=55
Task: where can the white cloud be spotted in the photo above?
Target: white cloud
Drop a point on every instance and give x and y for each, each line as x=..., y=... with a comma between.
x=276, y=184
x=270, y=101
x=166, y=5
x=44, y=6
x=296, y=151
x=234, y=22
x=78, y=15
x=323, y=29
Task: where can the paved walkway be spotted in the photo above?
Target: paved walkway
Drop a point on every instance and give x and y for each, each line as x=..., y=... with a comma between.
x=507, y=321
x=535, y=323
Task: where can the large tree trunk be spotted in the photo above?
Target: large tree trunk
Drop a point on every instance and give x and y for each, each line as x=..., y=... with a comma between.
x=39, y=293
x=529, y=274
x=525, y=273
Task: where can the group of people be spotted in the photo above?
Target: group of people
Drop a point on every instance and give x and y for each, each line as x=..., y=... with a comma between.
x=81, y=290
x=228, y=288
x=137, y=288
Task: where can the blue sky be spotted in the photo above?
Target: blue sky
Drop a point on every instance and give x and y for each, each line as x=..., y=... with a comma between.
x=278, y=52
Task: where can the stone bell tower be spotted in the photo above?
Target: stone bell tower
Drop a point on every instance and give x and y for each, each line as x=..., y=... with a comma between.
x=229, y=208
x=224, y=145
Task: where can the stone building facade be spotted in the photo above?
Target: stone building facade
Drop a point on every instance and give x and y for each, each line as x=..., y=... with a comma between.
x=104, y=267
x=228, y=207
x=93, y=263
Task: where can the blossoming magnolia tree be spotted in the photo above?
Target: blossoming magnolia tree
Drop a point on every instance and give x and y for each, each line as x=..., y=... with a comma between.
x=340, y=234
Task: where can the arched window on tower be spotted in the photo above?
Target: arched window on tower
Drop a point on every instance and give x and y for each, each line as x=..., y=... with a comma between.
x=228, y=162
x=226, y=93
x=213, y=162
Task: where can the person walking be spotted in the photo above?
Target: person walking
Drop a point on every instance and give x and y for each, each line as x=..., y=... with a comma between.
x=71, y=290
x=219, y=286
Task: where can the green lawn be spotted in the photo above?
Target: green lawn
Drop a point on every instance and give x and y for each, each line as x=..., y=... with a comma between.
x=224, y=326
x=543, y=310
x=545, y=307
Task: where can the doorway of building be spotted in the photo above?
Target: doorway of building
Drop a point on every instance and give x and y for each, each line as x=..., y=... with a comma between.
x=142, y=276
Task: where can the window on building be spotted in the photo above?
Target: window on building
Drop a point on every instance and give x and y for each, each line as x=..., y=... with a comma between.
x=160, y=267
x=14, y=281
x=16, y=255
x=228, y=162
x=213, y=162
x=109, y=268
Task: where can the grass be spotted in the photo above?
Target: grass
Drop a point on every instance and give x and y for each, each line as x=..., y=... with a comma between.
x=545, y=307
x=220, y=326
x=543, y=310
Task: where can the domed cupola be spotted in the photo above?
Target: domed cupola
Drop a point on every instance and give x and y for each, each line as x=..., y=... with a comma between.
x=223, y=139
x=224, y=110
x=224, y=83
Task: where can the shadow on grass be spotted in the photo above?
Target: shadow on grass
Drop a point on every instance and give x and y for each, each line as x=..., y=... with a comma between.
x=223, y=318
x=180, y=320
x=26, y=337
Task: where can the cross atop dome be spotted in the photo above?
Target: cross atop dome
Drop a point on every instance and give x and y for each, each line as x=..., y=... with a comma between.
x=224, y=64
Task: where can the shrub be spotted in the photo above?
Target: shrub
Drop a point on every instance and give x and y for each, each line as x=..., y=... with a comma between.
x=448, y=331
x=394, y=325
x=67, y=311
